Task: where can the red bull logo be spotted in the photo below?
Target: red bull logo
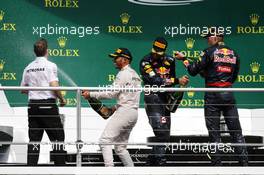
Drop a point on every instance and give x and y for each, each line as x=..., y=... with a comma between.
x=163, y=71
x=225, y=56
x=225, y=52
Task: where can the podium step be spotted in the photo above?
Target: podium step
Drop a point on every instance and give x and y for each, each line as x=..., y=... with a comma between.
x=183, y=156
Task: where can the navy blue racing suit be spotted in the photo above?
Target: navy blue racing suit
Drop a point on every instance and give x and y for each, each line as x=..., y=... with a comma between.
x=219, y=65
x=154, y=73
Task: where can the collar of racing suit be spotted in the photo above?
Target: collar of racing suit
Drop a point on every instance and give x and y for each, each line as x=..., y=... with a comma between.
x=125, y=67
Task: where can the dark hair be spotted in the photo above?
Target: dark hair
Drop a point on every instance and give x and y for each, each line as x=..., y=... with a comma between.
x=40, y=47
x=129, y=60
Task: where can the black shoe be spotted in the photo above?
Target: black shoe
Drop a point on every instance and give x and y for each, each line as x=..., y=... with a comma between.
x=149, y=163
x=153, y=161
x=243, y=163
x=161, y=162
x=216, y=163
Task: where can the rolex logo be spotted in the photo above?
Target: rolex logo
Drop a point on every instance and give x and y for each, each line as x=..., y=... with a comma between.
x=63, y=93
x=124, y=28
x=2, y=64
x=189, y=43
x=254, y=18
x=255, y=67
x=2, y=13
x=62, y=52
x=190, y=93
x=62, y=41
x=124, y=18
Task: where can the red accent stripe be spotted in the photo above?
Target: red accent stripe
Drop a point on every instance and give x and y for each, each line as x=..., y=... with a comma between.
x=219, y=84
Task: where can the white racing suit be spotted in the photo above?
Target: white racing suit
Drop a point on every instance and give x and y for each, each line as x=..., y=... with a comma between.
x=124, y=119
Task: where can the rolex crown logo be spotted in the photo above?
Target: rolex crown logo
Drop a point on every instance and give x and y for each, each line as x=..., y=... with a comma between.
x=255, y=67
x=2, y=13
x=254, y=18
x=189, y=43
x=190, y=93
x=63, y=93
x=125, y=18
x=2, y=64
x=62, y=41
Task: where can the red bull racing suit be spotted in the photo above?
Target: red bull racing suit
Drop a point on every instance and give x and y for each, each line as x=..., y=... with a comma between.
x=219, y=65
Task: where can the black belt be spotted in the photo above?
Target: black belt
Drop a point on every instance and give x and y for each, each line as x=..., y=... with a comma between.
x=49, y=100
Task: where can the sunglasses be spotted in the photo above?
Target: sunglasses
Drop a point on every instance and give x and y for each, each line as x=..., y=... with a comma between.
x=159, y=53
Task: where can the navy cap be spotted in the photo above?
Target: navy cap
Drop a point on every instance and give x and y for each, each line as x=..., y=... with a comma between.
x=159, y=45
x=121, y=52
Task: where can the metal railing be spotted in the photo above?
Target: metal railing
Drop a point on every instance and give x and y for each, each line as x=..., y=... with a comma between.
x=78, y=90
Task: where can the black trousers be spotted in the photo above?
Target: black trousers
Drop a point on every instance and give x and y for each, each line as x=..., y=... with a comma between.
x=160, y=121
x=43, y=115
x=217, y=103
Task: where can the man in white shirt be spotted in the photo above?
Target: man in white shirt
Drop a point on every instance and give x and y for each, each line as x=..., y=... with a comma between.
x=124, y=119
x=43, y=113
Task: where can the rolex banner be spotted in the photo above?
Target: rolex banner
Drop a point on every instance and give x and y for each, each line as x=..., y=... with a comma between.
x=81, y=34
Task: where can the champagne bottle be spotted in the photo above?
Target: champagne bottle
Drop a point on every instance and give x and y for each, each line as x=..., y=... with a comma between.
x=104, y=111
x=174, y=100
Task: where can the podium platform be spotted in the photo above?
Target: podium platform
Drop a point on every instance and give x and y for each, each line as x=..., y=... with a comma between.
x=182, y=157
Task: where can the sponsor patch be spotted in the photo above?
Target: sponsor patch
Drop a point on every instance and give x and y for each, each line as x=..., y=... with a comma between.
x=167, y=63
x=186, y=63
x=224, y=69
x=148, y=70
x=152, y=74
x=225, y=59
x=225, y=56
x=147, y=67
x=145, y=63
x=162, y=70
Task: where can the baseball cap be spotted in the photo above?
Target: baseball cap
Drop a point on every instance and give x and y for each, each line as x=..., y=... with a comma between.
x=159, y=45
x=121, y=52
x=212, y=31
